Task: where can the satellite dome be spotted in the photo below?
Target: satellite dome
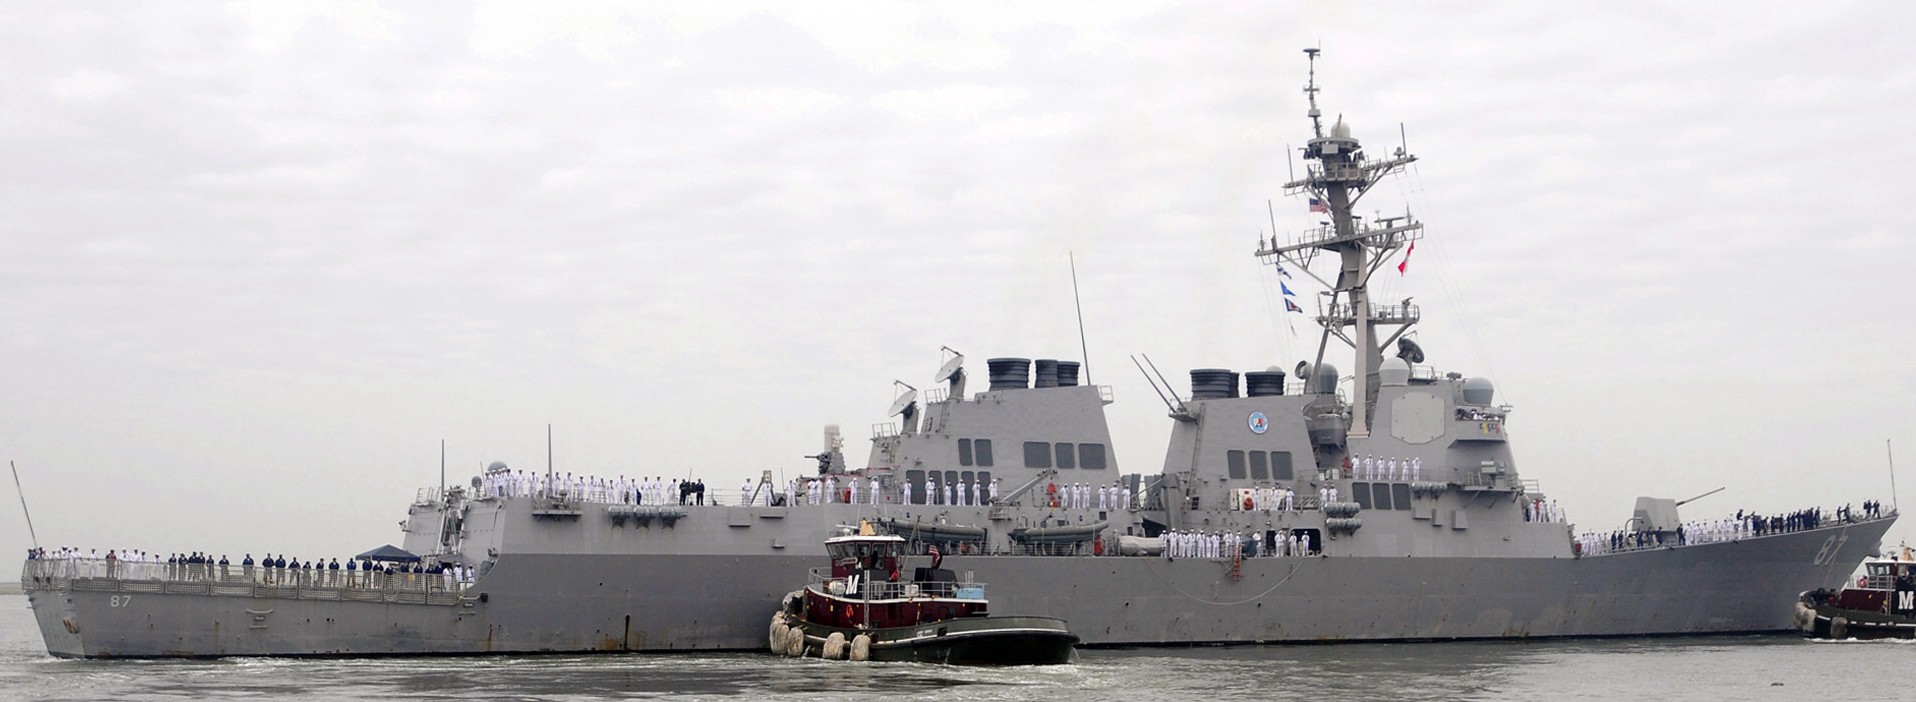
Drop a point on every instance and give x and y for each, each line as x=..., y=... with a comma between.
x=1478, y=391
x=1323, y=379
x=1341, y=130
x=495, y=466
x=1394, y=372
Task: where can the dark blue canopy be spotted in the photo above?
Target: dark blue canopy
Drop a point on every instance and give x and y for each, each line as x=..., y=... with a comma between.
x=388, y=553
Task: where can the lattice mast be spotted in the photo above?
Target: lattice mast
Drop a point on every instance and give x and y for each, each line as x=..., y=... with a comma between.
x=1337, y=174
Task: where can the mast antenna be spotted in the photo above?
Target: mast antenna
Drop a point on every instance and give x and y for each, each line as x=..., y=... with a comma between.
x=442, y=469
x=1076, y=302
x=23, y=504
x=1887, y=448
x=1310, y=89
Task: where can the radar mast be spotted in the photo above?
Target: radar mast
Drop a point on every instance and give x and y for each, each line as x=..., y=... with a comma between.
x=1337, y=174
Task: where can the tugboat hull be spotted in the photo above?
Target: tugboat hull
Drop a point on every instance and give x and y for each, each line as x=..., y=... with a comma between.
x=1818, y=619
x=973, y=641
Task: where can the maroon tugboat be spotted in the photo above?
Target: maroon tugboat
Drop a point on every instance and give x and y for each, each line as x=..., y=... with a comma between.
x=1882, y=605
x=863, y=610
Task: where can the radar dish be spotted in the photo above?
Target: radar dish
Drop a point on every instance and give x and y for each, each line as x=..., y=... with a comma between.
x=903, y=403
x=1303, y=370
x=1410, y=351
x=951, y=368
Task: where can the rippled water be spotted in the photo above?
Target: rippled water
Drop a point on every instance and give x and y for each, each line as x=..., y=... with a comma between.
x=1718, y=668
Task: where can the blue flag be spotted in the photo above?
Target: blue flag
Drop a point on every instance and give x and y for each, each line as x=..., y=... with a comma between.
x=1285, y=288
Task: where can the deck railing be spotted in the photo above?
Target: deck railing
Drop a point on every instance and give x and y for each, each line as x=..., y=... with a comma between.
x=103, y=575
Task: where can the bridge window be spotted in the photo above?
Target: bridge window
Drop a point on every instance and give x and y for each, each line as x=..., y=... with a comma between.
x=1380, y=495
x=1260, y=466
x=1360, y=493
x=982, y=449
x=1234, y=462
x=1091, y=456
x=1400, y=493
x=1067, y=458
x=1281, y=466
x=964, y=452
x=1037, y=454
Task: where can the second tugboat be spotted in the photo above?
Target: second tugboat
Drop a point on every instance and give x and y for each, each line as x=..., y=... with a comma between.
x=1881, y=606
x=861, y=611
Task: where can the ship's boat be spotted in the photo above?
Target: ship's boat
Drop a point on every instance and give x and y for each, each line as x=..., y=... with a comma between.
x=859, y=609
x=1882, y=604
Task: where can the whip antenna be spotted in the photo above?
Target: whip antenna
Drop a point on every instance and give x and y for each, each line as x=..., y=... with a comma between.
x=23, y=503
x=1075, y=302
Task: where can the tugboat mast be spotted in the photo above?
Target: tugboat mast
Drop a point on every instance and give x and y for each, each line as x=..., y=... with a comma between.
x=1339, y=176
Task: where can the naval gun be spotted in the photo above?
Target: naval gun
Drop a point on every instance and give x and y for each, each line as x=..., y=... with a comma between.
x=1659, y=514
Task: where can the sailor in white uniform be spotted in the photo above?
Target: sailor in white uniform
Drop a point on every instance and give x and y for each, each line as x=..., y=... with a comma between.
x=907, y=490
x=745, y=492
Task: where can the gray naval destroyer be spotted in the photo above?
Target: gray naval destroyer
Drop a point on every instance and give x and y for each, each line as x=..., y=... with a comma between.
x=1382, y=505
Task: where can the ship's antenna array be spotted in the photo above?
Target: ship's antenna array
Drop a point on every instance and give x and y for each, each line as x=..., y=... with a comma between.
x=1337, y=174
x=23, y=503
x=1310, y=89
x=1083, y=348
x=1153, y=382
x=1887, y=448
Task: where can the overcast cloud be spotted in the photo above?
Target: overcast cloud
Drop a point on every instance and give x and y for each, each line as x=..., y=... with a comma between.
x=257, y=260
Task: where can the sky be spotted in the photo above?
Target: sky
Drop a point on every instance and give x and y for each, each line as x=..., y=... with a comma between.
x=257, y=260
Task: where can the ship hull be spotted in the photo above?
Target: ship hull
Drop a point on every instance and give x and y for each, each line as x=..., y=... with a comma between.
x=534, y=603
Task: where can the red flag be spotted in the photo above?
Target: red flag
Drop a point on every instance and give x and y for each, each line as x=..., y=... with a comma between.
x=1407, y=253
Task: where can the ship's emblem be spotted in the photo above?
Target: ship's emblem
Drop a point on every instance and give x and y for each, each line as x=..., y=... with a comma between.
x=1259, y=423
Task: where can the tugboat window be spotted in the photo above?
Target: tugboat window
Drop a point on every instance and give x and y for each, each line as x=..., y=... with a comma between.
x=982, y=449
x=1281, y=466
x=1234, y=461
x=1091, y=456
x=1067, y=458
x=1037, y=454
x=964, y=452
x=1260, y=466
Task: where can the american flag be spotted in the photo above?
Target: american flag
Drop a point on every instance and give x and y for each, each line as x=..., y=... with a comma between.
x=1318, y=206
x=932, y=551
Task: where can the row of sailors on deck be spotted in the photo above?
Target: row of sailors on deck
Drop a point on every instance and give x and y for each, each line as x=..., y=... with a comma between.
x=1363, y=467
x=619, y=490
x=1743, y=525
x=1085, y=496
x=1276, y=499
x=1220, y=544
x=135, y=564
x=1542, y=510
